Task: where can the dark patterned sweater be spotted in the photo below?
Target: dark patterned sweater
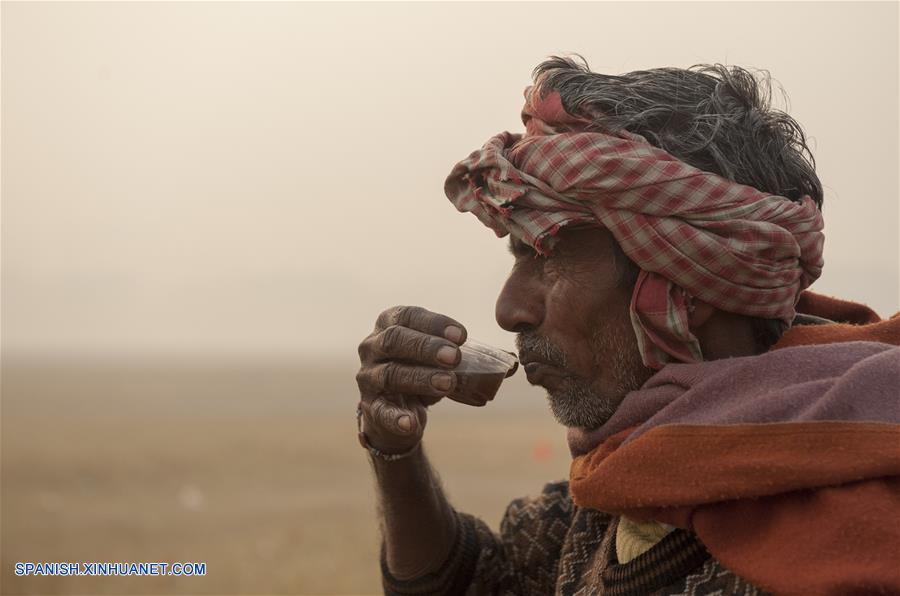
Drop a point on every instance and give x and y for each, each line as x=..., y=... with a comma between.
x=547, y=545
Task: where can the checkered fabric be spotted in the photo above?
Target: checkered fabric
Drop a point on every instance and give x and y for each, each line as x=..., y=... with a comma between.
x=693, y=233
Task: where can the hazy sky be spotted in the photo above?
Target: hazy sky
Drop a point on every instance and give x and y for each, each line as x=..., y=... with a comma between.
x=263, y=179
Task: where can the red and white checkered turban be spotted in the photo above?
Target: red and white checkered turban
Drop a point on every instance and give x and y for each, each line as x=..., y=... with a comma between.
x=693, y=233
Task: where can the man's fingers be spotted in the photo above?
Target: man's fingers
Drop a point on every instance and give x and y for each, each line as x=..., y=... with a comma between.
x=421, y=319
x=402, y=343
x=392, y=417
x=406, y=366
x=397, y=378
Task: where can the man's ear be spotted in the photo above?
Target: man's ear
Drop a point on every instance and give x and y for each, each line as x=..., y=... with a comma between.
x=699, y=314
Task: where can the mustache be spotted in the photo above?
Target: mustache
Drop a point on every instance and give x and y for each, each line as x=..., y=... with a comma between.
x=542, y=347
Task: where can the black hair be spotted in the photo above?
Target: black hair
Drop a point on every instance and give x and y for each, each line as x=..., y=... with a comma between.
x=716, y=118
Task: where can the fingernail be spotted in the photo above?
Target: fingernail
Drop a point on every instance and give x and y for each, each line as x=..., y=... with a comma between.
x=441, y=381
x=453, y=333
x=447, y=355
x=405, y=423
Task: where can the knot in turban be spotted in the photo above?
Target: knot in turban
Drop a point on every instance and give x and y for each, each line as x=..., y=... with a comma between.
x=692, y=233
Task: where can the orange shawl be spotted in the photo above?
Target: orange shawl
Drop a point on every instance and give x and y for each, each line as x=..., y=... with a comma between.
x=808, y=503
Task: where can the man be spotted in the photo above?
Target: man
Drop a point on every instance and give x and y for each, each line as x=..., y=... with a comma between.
x=664, y=224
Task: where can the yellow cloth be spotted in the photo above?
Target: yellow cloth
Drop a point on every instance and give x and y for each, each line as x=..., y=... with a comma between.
x=635, y=538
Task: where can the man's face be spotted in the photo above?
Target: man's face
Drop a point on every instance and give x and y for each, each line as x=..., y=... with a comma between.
x=574, y=331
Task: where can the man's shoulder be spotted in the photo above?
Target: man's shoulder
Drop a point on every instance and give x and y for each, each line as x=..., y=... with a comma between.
x=556, y=490
x=552, y=493
x=554, y=501
x=554, y=505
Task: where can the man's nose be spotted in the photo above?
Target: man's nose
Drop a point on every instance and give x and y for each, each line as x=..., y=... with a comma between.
x=520, y=305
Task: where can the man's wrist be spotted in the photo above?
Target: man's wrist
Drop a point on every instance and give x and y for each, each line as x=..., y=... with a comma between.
x=383, y=455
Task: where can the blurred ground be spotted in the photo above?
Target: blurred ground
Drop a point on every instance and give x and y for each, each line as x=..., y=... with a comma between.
x=253, y=469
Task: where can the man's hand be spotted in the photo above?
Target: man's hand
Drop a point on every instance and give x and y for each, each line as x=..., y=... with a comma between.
x=406, y=365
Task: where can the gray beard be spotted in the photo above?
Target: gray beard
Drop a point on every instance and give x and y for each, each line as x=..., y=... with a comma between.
x=578, y=403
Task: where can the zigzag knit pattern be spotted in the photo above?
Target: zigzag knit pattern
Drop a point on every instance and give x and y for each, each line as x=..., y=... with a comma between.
x=547, y=545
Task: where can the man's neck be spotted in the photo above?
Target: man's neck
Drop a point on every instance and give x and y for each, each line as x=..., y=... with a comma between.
x=726, y=335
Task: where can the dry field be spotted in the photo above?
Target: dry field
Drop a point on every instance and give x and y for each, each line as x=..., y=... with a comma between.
x=254, y=470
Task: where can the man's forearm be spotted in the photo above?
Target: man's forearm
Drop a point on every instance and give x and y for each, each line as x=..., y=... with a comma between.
x=418, y=524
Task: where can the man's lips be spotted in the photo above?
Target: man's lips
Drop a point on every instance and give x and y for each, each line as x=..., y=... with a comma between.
x=539, y=373
x=526, y=358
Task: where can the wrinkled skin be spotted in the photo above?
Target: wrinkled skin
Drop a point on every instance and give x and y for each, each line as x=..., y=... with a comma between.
x=406, y=365
x=571, y=314
x=574, y=336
